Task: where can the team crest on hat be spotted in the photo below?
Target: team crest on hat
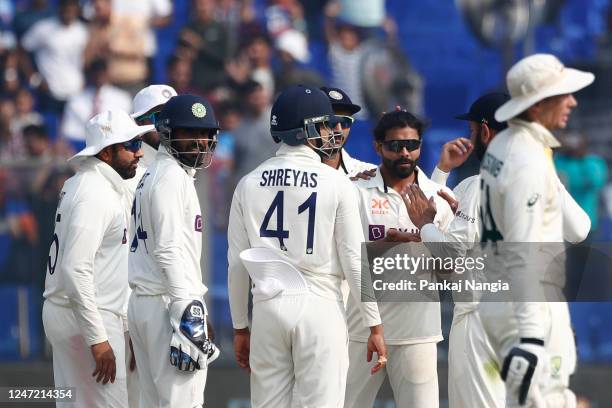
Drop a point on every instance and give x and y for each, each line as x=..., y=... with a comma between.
x=308, y=91
x=198, y=110
x=335, y=95
x=166, y=93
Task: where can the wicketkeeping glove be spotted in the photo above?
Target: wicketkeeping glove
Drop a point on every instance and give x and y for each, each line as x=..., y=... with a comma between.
x=522, y=369
x=190, y=348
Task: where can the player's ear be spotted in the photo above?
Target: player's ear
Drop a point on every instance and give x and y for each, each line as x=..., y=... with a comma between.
x=105, y=154
x=378, y=147
x=485, y=134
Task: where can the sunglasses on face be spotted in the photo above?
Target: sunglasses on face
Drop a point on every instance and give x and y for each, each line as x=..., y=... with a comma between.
x=151, y=117
x=397, y=145
x=133, y=145
x=345, y=121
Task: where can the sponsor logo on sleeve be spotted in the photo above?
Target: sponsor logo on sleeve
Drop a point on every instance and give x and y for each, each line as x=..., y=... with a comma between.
x=532, y=200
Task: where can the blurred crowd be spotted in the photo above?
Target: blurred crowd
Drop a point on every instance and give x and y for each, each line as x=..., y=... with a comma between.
x=63, y=61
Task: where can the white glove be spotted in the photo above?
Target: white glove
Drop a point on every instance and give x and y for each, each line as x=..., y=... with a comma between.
x=522, y=370
x=189, y=347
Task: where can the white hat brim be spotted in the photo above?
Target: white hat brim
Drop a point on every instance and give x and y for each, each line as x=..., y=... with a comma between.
x=124, y=137
x=573, y=80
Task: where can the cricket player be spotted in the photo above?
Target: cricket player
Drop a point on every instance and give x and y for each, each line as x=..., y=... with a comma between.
x=146, y=106
x=344, y=109
x=86, y=282
x=412, y=329
x=520, y=202
x=473, y=379
x=167, y=314
x=293, y=223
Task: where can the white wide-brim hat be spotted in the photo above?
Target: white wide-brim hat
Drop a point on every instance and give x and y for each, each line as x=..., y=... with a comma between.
x=537, y=77
x=108, y=128
x=150, y=97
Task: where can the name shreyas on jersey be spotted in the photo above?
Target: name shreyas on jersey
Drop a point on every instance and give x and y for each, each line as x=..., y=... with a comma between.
x=288, y=178
x=492, y=164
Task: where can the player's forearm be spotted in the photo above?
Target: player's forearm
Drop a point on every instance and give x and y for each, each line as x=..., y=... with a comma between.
x=576, y=222
x=169, y=259
x=440, y=175
x=523, y=272
x=79, y=288
x=238, y=290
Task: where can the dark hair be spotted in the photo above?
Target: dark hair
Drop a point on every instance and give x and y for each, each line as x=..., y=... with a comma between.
x=96, y=66
x=38, y=131
x=397, y=119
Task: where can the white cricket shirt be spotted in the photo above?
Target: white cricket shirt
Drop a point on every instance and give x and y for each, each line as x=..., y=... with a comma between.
x=87, y=269
x=521, y=202
x=351, y=166
x=166, y=247
x=381, y=209
x=307, y=212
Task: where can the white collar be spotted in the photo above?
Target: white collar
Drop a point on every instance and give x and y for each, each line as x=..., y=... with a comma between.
x=94, y=164
x=300, y=150
x=378, y=182
x=537, y=131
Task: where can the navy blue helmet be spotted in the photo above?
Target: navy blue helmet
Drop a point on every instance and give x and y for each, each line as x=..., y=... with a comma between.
x=189, y=112
x=299, y=114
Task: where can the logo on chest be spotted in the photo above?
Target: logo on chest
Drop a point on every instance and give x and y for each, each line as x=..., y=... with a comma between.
x=198, y=223
x=376, y=232
x=380, y=206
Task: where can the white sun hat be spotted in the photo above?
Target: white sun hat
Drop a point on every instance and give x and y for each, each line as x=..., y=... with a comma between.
x=535, y=78
x=108, y=128
x=150, y=97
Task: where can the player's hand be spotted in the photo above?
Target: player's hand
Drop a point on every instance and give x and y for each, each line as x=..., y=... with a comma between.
x=132, y=357
x=376, y=344
x=105, y=362
x=242, y=348
x=454, y=204
x=454, y=154
x=189, y=347
x=421, y=210
x=364, y=175
x=211, y=330
x=522, y=370
x=400, y=236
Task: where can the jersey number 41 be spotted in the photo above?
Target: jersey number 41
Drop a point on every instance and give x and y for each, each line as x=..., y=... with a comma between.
x=281, y=234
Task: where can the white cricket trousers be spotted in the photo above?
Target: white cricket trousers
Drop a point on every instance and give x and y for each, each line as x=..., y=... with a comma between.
x=412, y=371
x=500, y=326
x=298, y=341
x=161, y=384
x=73, y=363
x=473, y=366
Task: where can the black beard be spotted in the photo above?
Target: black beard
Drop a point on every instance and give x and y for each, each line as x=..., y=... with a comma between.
x=400, y=172
x=125, y=170
x=479, y=147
